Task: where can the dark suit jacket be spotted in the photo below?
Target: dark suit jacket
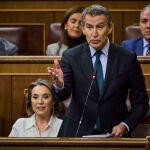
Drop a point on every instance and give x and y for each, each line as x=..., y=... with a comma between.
x=135, y=45
x=123, y=73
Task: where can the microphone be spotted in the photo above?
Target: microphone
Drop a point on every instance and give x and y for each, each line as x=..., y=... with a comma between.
x=80, y=122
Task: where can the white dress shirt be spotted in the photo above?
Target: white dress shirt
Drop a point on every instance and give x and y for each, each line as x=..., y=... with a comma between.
x=145, y=47
x=103, y=59
x=26, y=127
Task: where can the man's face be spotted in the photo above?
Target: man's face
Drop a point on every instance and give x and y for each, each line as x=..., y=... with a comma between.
x=145, y=24
x=96, y=30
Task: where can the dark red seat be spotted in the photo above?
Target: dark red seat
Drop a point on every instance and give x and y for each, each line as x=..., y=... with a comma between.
x=54, y=33
x=132, y=32
x=14, y=35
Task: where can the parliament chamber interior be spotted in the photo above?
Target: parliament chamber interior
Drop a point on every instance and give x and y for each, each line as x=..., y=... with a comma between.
x=32, y=25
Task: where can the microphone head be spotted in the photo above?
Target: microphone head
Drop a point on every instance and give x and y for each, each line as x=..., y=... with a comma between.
x=94, y=76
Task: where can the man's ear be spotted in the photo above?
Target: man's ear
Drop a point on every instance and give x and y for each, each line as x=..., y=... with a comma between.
x=83, y=30
x=110, y=29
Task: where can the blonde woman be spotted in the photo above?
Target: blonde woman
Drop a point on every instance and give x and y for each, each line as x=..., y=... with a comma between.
x=42, y=111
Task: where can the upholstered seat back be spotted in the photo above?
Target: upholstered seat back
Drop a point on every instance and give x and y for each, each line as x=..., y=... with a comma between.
x=132, y=32
x=54, y=33
x=14, y=35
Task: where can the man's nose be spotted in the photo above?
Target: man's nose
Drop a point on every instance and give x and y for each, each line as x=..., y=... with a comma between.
x=94, y=33
x=148, y=23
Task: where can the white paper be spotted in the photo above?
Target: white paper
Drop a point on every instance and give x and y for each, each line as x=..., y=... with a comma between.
x=98, y=136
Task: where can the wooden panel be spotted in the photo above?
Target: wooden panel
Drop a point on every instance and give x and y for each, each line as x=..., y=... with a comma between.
x=147, y=81
x=5, y=104
x=145, y=65
x=117, y=20
x=57, y=4
x=147, y=143
x=72, y=143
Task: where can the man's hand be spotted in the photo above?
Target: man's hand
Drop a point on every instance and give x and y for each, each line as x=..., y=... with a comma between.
x=119, y=130
x=56, y=74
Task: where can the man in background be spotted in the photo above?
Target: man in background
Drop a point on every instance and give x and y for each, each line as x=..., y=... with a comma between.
x=99, y=74
x=141, y=46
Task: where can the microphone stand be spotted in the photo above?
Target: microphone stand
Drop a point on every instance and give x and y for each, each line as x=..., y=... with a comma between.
x=80, y=122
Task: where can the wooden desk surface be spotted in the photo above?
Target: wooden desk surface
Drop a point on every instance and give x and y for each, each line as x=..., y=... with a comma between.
x=72, y=143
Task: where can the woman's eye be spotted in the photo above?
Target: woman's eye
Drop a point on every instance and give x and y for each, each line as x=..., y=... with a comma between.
x=46, y=96
x=73, y=20
x=34, y=97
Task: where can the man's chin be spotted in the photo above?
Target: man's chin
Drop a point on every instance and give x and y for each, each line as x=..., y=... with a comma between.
x=97, y=47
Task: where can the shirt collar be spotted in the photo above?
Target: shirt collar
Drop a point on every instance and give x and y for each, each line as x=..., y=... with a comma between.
x=104, y=50
x=30, y=122
x=145, y=43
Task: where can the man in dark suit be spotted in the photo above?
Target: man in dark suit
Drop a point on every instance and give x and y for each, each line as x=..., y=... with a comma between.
x=121, y=74
x=141, y=45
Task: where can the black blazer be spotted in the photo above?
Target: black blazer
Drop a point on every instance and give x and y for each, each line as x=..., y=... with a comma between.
x=123, y=74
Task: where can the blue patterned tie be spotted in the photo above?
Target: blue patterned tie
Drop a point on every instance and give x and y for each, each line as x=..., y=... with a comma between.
x=99, y=70
x=99, y=78
x=148, y=50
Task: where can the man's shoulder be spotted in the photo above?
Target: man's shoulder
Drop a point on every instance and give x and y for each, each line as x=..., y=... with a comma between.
x=131, y=41
x=82, y=45
x=121, y=51
x=77, y=49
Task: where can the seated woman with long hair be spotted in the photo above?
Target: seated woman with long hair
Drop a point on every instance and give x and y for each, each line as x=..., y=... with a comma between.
x=42, y=111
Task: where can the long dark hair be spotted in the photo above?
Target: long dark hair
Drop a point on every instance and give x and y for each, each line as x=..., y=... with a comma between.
x=65, y=39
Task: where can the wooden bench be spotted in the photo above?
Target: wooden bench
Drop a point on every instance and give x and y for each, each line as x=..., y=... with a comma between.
x=72, y=143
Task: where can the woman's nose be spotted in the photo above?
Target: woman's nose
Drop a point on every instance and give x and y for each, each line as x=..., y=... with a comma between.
x=40, y=100
x=77, y=24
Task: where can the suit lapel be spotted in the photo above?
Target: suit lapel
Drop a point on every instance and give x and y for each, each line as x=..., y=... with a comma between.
x=111, y=67
x=87, y=66
x=88, y=70
x=139, y=47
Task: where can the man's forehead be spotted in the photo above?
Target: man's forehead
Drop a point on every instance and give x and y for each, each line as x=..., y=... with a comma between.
x=145, y=13
x=95, y=19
